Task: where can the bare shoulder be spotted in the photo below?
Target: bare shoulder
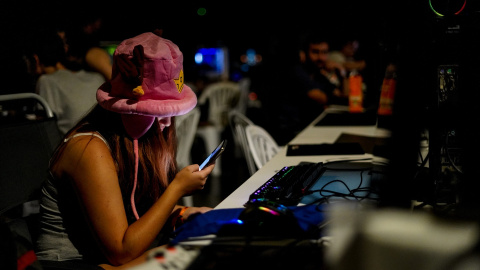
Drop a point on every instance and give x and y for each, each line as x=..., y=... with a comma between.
x=98, y=55
x=99, y=60
x=85, y=153
x=97, y=51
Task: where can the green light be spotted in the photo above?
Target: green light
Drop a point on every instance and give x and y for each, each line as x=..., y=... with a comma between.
x=111, y=49
x=201, y=11
x=431, y=7
x=441, y=15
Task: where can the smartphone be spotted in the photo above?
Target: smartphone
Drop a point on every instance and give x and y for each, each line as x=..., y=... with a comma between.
x=214, y=155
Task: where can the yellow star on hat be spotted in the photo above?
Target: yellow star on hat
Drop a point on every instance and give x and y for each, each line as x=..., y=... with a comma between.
x=179, y=81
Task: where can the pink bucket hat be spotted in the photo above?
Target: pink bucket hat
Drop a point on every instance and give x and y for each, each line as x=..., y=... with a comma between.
x=147, y=82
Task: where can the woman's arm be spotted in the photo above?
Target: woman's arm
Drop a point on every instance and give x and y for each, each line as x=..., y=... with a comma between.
x=89, y=165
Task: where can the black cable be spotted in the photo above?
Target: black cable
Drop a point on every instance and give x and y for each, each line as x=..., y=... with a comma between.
x=422, y=165
x=449, y=157
x=351, y=192
x=420, y=155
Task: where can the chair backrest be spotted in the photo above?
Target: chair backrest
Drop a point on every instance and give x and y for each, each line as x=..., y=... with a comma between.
x=238, y=122
x=186, y=126
x=221, y=97
x=262, y=146
x=244, y=85
x=26, y=146
x=25, y=150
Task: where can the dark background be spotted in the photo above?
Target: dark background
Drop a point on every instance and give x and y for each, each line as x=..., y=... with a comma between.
x=239, y=25
x=270, y=28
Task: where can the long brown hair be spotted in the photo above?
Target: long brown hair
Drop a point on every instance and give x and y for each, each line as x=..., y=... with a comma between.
x=157, y=151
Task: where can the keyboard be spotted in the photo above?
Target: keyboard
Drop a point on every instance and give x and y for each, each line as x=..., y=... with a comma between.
x=289, y=185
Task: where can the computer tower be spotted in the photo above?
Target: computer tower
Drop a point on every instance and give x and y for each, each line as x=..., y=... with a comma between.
x=438, y=90
x=453, y=147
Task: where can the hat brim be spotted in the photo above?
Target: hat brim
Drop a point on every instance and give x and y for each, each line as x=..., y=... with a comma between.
x=186, y=101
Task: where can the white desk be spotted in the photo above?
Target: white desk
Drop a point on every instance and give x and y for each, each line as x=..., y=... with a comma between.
x=406, y=239
x=310, y=135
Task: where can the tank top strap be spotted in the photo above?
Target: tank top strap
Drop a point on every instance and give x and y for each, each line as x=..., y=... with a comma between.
x=87, y=134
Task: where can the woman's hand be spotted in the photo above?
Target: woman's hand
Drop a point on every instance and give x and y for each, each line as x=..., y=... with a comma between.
x=190, y=179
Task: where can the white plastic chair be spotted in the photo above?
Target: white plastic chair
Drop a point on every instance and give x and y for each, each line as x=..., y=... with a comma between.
x=261, y=144
x=238, y=123
x=186, y=127
x=221, y=97
x=244, y=85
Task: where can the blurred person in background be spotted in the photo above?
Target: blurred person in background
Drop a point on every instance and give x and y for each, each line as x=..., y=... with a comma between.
x=346, y=55
x=322, y=78
x=82, y=36
x=70, y=93
x=300, y=86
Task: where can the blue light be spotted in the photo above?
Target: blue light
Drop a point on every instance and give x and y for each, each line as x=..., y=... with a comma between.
x=213, y=62
x=212, y=57
x=198, y=58
x=251, y=57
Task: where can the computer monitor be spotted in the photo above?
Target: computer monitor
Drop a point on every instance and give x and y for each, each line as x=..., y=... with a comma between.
x=213, y=62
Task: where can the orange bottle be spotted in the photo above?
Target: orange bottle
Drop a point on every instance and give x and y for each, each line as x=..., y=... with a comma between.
x=387, y=93
x=355, y=99
x=386, y=96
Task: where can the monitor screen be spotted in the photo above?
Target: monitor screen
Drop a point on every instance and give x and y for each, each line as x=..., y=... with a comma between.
x=213, y=61
x=109, y=46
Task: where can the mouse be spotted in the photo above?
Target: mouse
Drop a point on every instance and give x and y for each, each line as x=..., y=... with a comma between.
x=262, y=217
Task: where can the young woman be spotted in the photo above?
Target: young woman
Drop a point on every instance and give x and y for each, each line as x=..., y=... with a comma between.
x=113, y=187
